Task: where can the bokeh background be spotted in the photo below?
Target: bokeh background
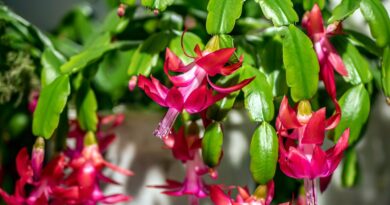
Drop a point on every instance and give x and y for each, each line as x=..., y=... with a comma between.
x=138, y=150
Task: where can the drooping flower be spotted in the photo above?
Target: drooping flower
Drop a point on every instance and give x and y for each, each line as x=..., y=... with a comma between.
x=43, y=183
x=87, y=174
x=190, y=89
x=327, y=55
x=301, y=135
x=262, y=196
x=186, y=148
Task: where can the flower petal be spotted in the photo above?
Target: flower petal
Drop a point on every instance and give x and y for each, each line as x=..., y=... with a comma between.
x=229, y=89
x=334, y=58
x=319, y=167
x=315, y=129
x=175, y=99
x=213, y=62
x=327, y=76
x=218, y=197
x=199, y=99
x=287, y=115
x=118, y=169
x=173, y=63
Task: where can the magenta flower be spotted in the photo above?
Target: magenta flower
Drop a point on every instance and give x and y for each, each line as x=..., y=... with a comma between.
x=186, y=149
x=43, y=183
x=190, y=89
x=301, y=135
x=327, y=55
x=262, y=196
x=87, y=173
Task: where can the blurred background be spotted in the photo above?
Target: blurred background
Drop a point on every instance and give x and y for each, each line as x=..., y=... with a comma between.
x=139, y=151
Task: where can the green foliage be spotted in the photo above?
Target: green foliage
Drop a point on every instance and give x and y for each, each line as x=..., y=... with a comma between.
x=258, y=95
x=308, y=4
x=301, y=64
x=378, y=19
x=222, y=15
x=160, y=5
x=86, y=105
x=357, y=66
x=281, y=12
x=386, y=72
x=344, y=9
x=350, y=172
x=212, y=145
x=355, y=108
x=264, y=153
x=51, y=103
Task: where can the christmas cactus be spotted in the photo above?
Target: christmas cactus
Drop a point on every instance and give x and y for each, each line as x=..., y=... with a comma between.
x=303, y=74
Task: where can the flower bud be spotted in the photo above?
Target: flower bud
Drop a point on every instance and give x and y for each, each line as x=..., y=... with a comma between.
x=121, y=10
x=38, y=155
x=304, y=111
x=132, y=83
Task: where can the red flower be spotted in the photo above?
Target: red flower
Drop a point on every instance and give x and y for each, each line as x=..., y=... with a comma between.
x=86, y=175
x=262, y=196
x=327, y=55
x=301, y=135
x=186, y=149
x=190, y=89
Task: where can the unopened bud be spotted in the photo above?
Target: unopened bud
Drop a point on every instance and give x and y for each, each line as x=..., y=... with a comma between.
x=156, y=12
x=304, y=111
x=90, y=139
x=121, y=10
x=261, y=192
x=38, y=155
x=132, y=82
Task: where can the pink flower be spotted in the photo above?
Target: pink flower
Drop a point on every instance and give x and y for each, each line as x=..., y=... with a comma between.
x=48, y=183
x=186, y=149
x=306, y=159
x=262, y=196
x=327, y=55
x=301, y=135
x=190, y=89
x=86, y=175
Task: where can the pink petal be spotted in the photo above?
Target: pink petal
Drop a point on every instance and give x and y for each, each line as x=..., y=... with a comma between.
x=115, y=198
x=153, y=87
x=315, y=24
x=270, y=192
x=213, y=62
x=23, y=164
x=232, y=88
x=132, y=82
x=341, y=145
x=297, y=163
x=174, y=99
x=173, y=63
x=324, y=182
x=287, y=115
x=315, y=129
x=199, y=100
x=118, y=169
x=327, y=76
x=106, y=179
x=184, y=79
x=334, y=58
x=227, y=70
x=335, y=154
x=218, y=197
x=198, y=51
x=180, y=148
x=319, y=167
